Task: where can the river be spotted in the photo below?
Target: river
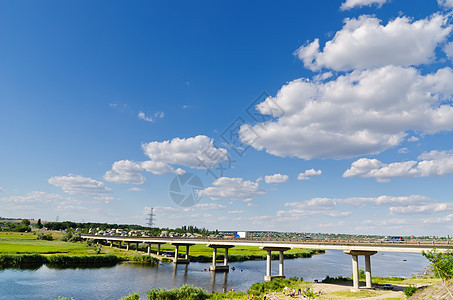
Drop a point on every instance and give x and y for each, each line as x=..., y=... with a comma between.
x=123, y=279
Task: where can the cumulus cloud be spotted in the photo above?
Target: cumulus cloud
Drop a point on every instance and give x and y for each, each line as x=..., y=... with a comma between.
x=276, y=178
x=84, y=186
x=348, y=4
x=159, y=168
x=125, y=171
x=233, y=189
x=365, y=43
x=308, y=173
x=363, y=112
x=197, y=152
x=433, y=163
x=445, y=3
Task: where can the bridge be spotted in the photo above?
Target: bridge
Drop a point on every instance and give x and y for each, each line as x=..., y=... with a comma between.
x=355, y=248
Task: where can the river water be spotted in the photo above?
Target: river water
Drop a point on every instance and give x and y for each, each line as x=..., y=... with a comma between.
x=123, y=279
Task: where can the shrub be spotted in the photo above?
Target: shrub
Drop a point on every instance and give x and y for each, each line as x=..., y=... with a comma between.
x=143, y=259
x=410, y=290
x=186, y=291
x=44, y=236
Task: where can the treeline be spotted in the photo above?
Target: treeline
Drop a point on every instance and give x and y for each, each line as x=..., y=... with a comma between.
x=84, y=227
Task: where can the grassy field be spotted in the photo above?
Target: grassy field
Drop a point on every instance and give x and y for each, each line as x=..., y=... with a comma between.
x=17, y=243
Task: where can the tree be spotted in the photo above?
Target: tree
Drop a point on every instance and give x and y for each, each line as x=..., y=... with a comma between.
x=25, y=222
x=442, y=264
x=39, y=225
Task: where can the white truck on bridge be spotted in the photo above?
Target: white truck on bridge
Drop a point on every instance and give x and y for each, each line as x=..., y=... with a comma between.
x=241, y=235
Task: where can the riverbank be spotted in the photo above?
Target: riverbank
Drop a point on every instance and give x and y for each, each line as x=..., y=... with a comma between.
x=294, y=288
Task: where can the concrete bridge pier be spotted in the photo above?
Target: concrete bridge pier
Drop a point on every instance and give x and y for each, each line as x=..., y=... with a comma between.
x=214, y=266
x=355, y=267
x=269, y=276
x=184, y=260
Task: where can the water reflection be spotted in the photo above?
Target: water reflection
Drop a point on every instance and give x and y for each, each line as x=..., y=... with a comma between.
x=222, y=277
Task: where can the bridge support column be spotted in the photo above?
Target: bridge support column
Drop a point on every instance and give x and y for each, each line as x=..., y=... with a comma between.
x=368, y=271
x=214, y=266
x=127, y=247
x=149, y=249
x=355, y=272
x=158, y=249
x=178, y=260
x=136, y=248
x=269, y=276
x=355, y=267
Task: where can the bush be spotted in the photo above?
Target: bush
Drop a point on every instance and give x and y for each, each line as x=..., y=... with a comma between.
x=44, y=236
x=410, y=290
x=144, y=259
x=186, y=291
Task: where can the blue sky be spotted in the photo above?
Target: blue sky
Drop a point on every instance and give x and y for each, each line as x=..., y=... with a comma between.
x=310, y=116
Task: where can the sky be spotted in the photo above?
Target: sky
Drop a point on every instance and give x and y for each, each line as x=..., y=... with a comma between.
x=306, y=116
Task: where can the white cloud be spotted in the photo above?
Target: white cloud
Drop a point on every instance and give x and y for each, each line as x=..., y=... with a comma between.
x=403, y=150
x=433, y=163
x=365, y=43
x=236, y=211
x=1, y=188
x=307, y=173
x=36, y=197
x=159, y=168
x=363, y=112
x=413, y=139
x=125, y=171
x=233, y=189
x=135, y=189
x=150, y=118
x=327, y=206
x=348, y=4
x=79, y=185
x=276, y=178
x=210, y=206
x=448, y=49
x=421, y=209
x=445, y=3
x=198, y=152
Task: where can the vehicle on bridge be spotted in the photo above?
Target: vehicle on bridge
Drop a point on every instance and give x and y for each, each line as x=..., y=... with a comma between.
x=395, y=238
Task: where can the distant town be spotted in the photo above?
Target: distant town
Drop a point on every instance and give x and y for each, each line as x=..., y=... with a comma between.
x=191, y=231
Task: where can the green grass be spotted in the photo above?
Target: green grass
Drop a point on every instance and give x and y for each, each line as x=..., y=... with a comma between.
x=17, y=243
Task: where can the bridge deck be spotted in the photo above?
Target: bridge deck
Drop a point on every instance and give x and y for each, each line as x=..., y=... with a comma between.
x=366, y=245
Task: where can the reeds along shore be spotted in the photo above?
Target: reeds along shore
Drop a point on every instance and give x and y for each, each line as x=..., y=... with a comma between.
x=33, y=261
